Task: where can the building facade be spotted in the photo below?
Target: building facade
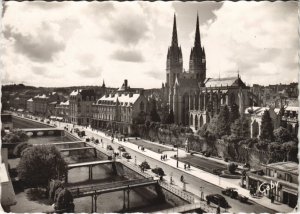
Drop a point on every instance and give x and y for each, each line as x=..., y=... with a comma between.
x=81, y=101
x=192, y=96
x=62, y=111
x=116, y=111
x=284, y=178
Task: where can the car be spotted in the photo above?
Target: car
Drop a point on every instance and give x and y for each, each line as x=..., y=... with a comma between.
x=242, y=198
x=121, y=149
x=109, y=147
x=217, y=199
x=126, y=155
x=231, y=192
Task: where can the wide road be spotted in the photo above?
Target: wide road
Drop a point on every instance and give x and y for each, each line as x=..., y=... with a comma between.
x=193, y=182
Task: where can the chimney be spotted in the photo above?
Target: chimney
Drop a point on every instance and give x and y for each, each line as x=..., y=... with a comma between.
x=125, y=84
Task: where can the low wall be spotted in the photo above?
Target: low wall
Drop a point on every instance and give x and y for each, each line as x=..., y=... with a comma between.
x=19, y=123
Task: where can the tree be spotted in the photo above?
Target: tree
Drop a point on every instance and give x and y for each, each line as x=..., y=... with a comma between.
x=153, y=113
x=291, y=150
x=232, y=167
x=20, y=148
x=39, y=164
x=219, y=125
x=266, y=127
x=170, y=119
x=240, y=128
x=140, y=118
x=15, y=137
x=145, y=165
x=234, y=113
x=64, y=201
x=282, y=135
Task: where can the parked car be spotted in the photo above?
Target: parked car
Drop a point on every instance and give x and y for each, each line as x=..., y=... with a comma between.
x=126, y=155
x=242, y=198
x=121, y=149
x=109, y=147
x=231, y=192
x=218, y=200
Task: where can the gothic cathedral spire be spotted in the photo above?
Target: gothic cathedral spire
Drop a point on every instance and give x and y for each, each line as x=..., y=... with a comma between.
x=197, y=57
x=174, y=35
x=197, y=34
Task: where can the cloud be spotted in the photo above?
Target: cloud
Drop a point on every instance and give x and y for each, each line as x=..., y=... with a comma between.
x=127, y=27
x=40, y=48
x=89, y=72
x=257, y=45
x=128, y=56
x=156, y=74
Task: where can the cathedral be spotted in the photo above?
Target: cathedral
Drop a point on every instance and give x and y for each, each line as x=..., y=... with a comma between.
x=193, y=97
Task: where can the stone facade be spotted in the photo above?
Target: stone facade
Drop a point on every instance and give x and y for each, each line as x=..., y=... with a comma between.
x=81, y=106
x=116, y=111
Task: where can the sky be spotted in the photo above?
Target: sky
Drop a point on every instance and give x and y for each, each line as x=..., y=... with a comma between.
x=56, y=44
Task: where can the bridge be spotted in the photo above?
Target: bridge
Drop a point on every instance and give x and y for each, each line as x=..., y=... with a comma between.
x=125, y=186
x=43, y=132
x=77, y=149
x=87, y=164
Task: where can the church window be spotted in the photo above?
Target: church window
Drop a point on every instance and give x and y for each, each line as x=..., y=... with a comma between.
x=142, y=106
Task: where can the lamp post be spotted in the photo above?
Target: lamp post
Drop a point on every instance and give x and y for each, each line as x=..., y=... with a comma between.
x=177, y=156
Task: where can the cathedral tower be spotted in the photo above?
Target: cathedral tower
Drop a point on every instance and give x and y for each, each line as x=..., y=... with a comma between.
x=174, y=62
x=197, y=57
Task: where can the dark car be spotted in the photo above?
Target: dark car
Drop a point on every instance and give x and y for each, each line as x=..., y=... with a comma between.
x=126, y=155
x=218, y=200
x=121, y=149
x=231, y=192
x=109, y=147
x=242, y=198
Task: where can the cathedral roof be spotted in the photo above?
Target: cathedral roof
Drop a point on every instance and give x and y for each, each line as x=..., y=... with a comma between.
x=187, y=83
x=228, y=81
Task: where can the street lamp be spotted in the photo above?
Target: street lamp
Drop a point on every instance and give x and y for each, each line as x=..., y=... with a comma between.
x=176, y=155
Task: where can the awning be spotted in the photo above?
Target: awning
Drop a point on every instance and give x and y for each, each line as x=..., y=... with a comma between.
x=52, y=117
x=20, y=110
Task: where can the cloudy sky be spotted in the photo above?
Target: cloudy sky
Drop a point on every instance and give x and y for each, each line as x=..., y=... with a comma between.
x=82, y=43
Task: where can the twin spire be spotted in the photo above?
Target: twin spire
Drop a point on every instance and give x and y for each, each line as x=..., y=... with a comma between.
x=197, y=34
x=174, y=35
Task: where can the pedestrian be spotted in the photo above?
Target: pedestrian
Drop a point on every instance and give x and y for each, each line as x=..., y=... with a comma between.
x=166, y=156
x=161, y=157
x=184, y=166
x=189, y=165
x=218, y=210
x=181, y=178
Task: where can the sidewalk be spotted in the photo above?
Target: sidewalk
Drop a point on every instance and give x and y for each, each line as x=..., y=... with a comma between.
x=208, y=177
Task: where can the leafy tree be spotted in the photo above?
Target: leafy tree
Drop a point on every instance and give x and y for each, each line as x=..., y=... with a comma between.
x=282, y=135
x=145, y=165
x=240, y=128
x=20, y=148
x=232, y=167
x=291, y=150
x=262, y=145
x=219, y=125
x=159, y=171
x=274, y=146
x=234, y=113
x=266, y=127
x=39, y=164
x=170, y=119
x=153, y=113
x=15, y=137
x=64, y=201
x=140, y=118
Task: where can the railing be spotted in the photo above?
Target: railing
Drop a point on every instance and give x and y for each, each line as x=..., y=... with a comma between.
x=185, y=196
x=77, y=191
x=190, y=207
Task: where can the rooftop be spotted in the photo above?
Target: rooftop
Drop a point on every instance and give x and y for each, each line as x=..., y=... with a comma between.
x=285, y=166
